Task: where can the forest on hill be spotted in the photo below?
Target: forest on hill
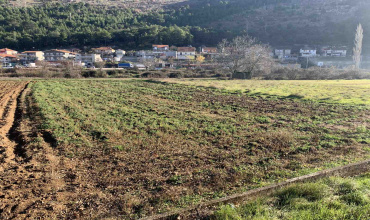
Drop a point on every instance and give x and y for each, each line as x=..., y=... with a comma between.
x=206, y=22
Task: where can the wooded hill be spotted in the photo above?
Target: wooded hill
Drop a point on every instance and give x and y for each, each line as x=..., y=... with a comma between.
x=177, y=22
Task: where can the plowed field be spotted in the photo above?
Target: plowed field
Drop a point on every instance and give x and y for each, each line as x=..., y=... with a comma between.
x=97, y=149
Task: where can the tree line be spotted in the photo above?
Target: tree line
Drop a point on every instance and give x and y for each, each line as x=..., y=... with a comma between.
x=80, y=25
x=55, y=25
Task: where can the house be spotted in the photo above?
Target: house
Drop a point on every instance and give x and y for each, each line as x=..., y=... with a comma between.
x=27, y=57
x=120, y=53
x=307, y=52
x=7, y=60
x=282, y=53
x=169, y=55
x=146, y=55
x=8, y=51
x=208, y=50
x=88, y=58
x=58, y=55
x=334, y=52
x=140, y=66
x=160, y=47
x=103, y=50
x=186, y=53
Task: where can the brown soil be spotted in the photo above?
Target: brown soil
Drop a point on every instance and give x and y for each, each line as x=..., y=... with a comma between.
x=38, y=180
x=29, y=180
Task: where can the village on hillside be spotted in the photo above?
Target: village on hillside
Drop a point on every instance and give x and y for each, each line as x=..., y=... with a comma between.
x=166, y=56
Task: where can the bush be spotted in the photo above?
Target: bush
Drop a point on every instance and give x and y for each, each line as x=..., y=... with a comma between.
x=315, y=73
x=101, y=74
x=227, y=212
x=176, y=75
x=310, y=191
x=354, y=198
x=112, y=72
x=154, y=75
x=89, y=73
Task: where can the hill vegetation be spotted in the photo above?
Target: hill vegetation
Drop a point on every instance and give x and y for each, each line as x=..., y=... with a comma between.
x=127, y=24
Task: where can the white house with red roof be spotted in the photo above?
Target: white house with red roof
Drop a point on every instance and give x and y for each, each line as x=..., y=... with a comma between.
x=7, y=60
x=56, y=55
x=103, y=50
x=186, y=53
x=8, y=51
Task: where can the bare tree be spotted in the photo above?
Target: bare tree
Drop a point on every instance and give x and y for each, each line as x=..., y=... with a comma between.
x=150, y=63
x=70, y=70
x=244, y=55
x=357, y=50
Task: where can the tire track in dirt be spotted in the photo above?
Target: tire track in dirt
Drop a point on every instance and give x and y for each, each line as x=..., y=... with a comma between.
x=17, y=174
x=7, y=111
x=33, y=177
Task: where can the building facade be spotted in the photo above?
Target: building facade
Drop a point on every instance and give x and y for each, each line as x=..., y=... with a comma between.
x=7, y=60
x=8, y=51
x=334, y=52
x=103, y=50
x=58, y=55
x=88, y=58
x=186, y=53
x=308, y=52
x=31, y=56
x=282, y=53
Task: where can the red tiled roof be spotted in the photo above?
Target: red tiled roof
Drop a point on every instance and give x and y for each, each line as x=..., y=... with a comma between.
x=160, y=46
x=31, y=51
x=7, y=55
x=63, y=51
x=7, y=49
x=186, y=49
x=103, y=48
x=210, y=49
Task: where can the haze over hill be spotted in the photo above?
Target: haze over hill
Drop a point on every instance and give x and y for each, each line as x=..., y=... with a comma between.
x=277, y=22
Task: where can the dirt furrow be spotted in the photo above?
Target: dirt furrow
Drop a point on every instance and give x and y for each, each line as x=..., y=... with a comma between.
x=8, y=113
x=32, y=176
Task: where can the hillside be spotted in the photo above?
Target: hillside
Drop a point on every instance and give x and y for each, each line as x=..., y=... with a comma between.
x=282, y=22
x=140, y=5
x=137, y=24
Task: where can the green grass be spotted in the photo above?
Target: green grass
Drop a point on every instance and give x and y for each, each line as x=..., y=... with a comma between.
x=330, y=198
x=152, y=147
x=333, y=91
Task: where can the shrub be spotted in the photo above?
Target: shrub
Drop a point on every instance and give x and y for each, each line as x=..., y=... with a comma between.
x=112, y=72
x=176, y=75
x=89, y=73
x=154, y=75
x=227, y=212
x=346, y=187
x=101, y=74
x=354, y=198
x=310, y=191
x=315, y=73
